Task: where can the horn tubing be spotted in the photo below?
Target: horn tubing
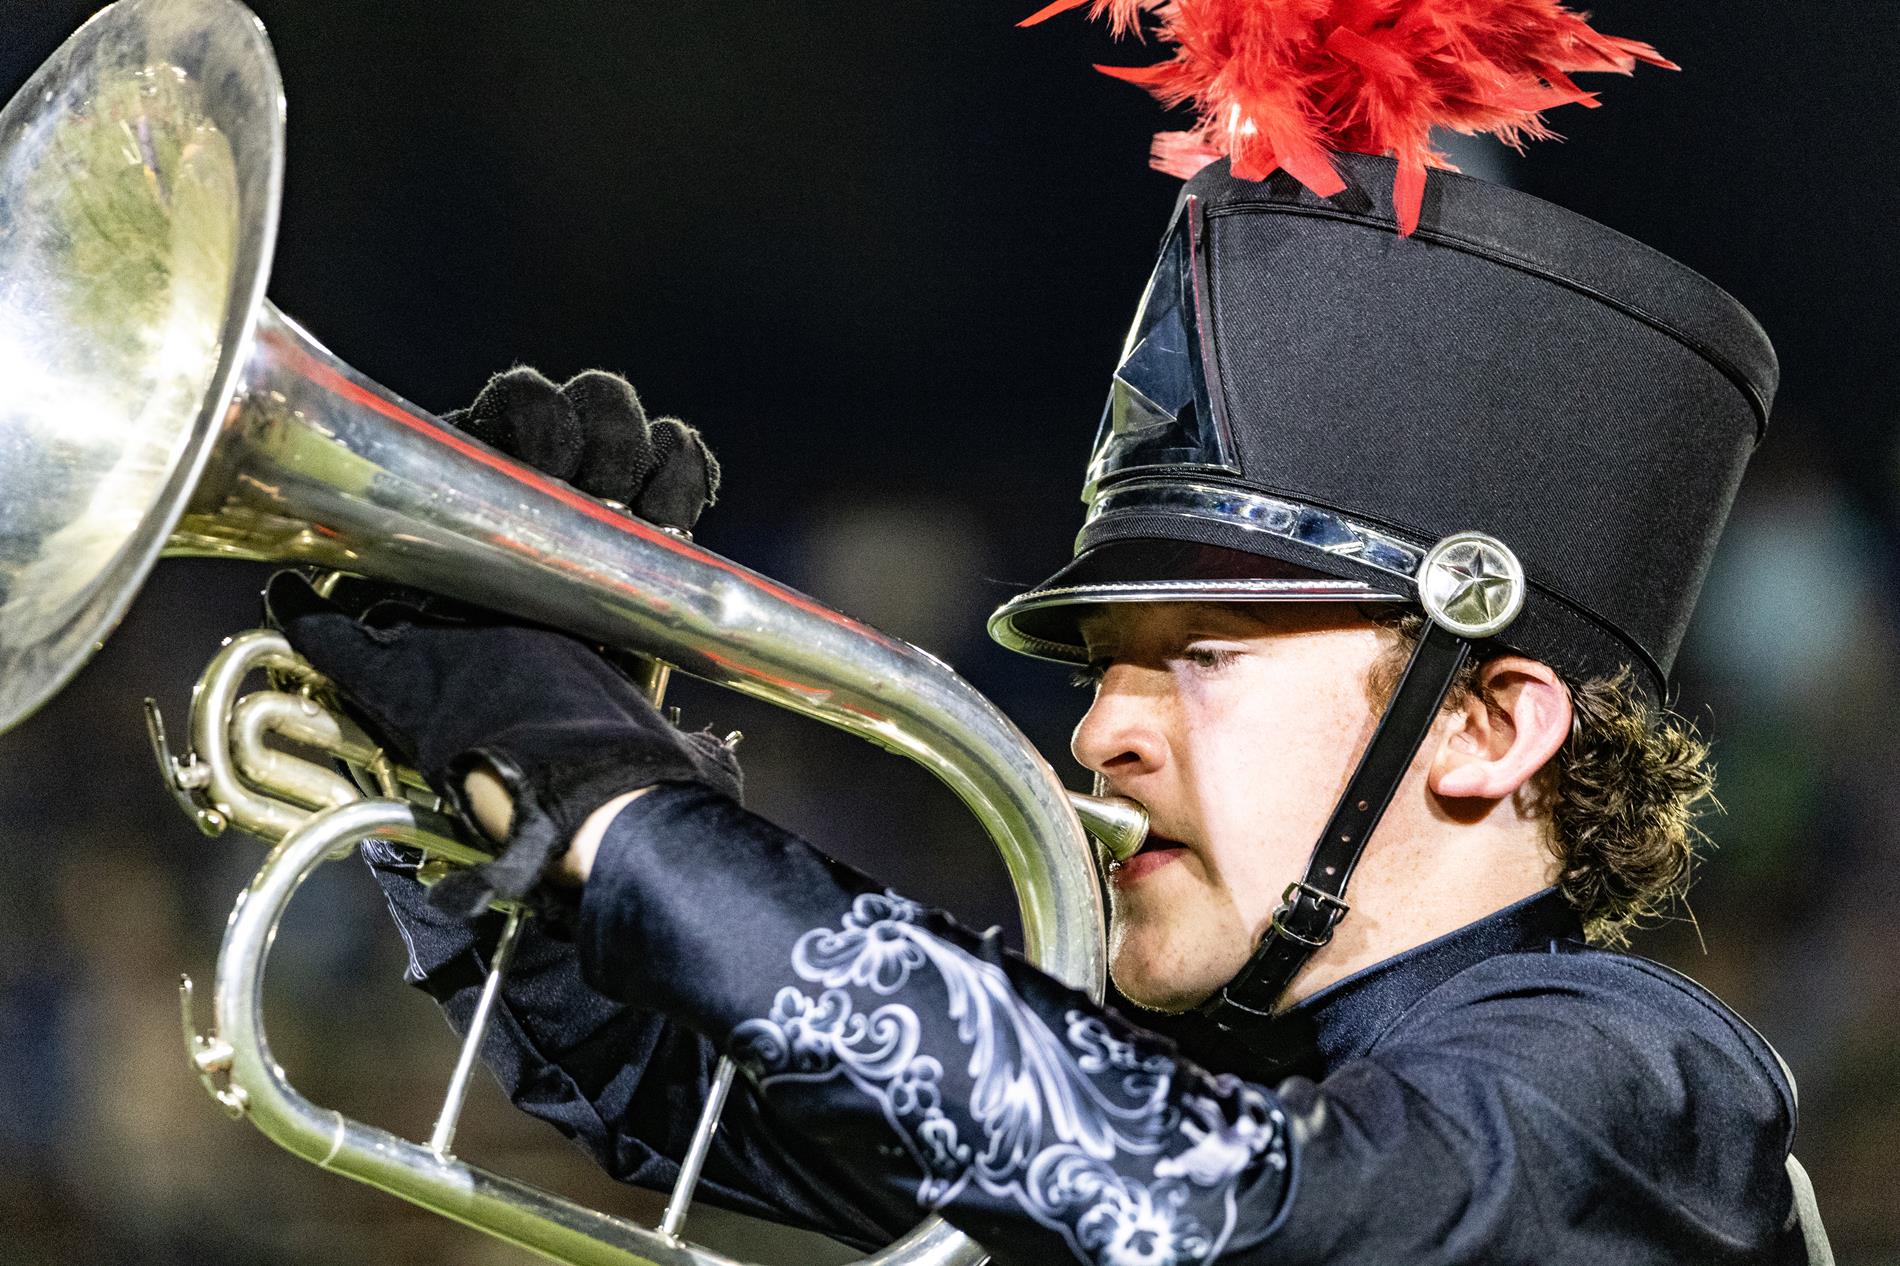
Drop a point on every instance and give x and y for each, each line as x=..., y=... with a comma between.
x=516, y=1212
x=234, y=433
x=524, y=1216
x=317, y=464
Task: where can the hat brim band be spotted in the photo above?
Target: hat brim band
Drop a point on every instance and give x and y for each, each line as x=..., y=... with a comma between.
x=1032, y=623
x=1325, y=530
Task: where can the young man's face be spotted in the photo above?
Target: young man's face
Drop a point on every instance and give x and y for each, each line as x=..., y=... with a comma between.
x=1237, y=726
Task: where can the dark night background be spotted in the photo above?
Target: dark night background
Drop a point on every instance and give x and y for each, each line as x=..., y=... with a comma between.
x=883, y=256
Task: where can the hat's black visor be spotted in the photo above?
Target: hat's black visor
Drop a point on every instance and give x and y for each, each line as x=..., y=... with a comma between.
x=1044, y=621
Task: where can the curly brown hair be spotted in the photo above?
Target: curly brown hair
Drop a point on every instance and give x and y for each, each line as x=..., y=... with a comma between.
x=1622, y=794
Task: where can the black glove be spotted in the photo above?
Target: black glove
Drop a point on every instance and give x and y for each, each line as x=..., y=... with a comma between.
x=592, y=432
x=448, y=687
x=562, y=728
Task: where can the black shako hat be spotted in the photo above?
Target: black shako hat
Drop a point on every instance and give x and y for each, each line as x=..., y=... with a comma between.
x=1308, y=402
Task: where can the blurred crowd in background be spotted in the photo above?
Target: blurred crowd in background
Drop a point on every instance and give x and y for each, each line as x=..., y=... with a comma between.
x=893, y=313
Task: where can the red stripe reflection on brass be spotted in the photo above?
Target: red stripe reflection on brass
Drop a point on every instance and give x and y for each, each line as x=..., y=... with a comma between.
x=330, y=379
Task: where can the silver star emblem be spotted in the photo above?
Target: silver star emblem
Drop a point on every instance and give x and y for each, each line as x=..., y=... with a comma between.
x=1472, y=584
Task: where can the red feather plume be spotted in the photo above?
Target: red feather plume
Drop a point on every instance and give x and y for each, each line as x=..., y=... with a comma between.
x=1282, y=84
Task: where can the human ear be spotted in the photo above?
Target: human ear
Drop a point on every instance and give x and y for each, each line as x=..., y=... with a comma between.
x=1515, y=720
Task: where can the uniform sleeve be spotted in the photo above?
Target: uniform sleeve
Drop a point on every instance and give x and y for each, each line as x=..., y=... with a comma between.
x=1536, y=1108
x=941, y=1069
x=624, y=1082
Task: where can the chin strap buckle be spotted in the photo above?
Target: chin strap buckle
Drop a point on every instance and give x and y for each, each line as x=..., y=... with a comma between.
x=1315, y=922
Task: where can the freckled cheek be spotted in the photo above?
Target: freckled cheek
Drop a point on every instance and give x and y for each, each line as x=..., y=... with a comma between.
x=1208, y=714
x=1259, y=768
x=1227, y=757
x=1201, y=742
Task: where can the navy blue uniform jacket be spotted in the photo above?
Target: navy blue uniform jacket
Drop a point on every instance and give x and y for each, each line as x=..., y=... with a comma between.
x=1503, y=1094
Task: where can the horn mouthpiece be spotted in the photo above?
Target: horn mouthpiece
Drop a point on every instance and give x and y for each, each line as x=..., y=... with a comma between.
x=1118, y=823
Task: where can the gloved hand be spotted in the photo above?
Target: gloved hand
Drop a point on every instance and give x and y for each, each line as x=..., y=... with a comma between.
x=592, y=432
x=450, y=688
x=563, y=730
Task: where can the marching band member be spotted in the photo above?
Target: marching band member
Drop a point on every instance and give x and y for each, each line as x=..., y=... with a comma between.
x=1396, y=516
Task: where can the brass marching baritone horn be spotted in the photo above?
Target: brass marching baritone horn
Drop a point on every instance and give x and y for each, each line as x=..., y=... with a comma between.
x=152, y=401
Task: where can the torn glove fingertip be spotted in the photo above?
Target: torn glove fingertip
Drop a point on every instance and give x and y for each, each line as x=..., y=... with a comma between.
x=533, y=845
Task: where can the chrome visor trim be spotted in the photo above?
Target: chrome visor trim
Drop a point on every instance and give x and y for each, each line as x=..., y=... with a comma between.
x=1325, y=530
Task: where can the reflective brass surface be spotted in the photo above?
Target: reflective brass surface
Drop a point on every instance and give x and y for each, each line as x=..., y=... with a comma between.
x=139, y=173
x=151, y=399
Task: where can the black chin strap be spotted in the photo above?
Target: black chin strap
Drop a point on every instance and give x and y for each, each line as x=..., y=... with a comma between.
x=1312, y=906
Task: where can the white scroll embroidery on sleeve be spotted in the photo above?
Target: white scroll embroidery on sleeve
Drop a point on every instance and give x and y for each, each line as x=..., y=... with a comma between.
x=1087, y=1134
